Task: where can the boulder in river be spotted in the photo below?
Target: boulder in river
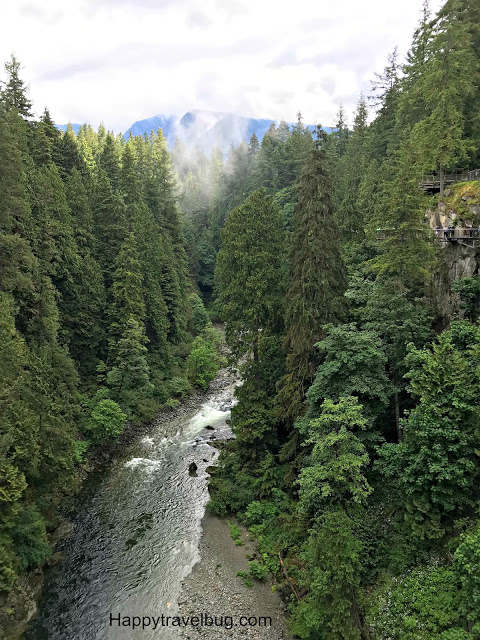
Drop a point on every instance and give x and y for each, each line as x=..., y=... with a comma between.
x=210, y=428
x=192, y=470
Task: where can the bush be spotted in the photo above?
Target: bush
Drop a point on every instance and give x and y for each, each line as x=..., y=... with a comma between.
x=8, y=562
x=231, y=488
x=30, y=539
x=258, y=571
x=215, y=310
x=469, y=291
x=80, y=448
x=178, y=387
x=236, y=533
x=422, y=605
x=106, y=422
x=202, y=363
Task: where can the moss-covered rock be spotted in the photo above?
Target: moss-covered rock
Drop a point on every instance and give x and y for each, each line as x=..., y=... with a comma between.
x=460, y=205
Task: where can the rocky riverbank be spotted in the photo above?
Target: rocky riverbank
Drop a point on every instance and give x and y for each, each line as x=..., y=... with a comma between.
x=213, y=587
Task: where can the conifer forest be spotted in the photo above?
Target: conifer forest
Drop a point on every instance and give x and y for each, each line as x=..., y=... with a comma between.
x=330, y=265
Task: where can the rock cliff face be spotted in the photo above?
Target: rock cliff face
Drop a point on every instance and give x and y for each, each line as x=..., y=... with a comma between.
x=456, y=262
x=461, y=208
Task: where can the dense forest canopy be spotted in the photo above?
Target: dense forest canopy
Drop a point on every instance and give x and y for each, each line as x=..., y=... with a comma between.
x=355, y=462
x=99, y=322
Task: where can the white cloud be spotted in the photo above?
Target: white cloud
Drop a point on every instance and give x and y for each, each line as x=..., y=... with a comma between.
x=123, y=60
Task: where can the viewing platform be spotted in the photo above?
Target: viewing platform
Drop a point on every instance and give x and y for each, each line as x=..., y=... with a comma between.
x=466, y=236
x=431, y=182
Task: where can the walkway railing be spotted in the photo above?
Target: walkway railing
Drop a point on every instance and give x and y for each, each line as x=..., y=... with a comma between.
x=468, y=236
x=432, y=181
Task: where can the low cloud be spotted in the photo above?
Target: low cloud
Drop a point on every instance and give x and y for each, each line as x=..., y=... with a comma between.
x=122, y=60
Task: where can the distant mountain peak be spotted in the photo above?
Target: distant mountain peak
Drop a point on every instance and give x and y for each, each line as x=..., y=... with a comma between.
x=203, y=128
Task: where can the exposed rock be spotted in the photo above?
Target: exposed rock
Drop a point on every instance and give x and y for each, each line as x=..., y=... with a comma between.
x=458, y=260
x=20, y=606
x=192, y=470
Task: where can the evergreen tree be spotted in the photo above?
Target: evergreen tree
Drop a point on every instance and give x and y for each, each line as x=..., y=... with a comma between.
x=128, y=303
x=399, y=322
x=84, y=302
x=445, y=84
x=109, y=161
x=341, y=133
x=69, y=157
x=317, y=280
x=250, y=273
x=353, y=364
x=436, y=461
x=14, y=209
x=129, y=378
x=250, y=278
x=110, y=224
x=351, y=169
x=14, y=91
x=332, y=486
x=253, y=145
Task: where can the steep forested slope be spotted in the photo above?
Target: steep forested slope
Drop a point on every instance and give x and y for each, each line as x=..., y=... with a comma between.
x=97, y=314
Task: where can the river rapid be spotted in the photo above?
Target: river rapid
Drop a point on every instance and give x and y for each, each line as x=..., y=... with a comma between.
x=136, y=531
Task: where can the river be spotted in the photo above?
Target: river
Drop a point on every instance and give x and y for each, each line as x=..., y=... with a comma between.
x=136, y=531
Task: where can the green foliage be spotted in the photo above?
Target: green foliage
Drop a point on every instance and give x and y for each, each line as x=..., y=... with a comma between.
x=436, y=462
x=421, y=605
x=202, y=363
x=129, y=378
x=30, y=539
x=250, y=272
x=81, y=448
x=178, y=386
x=334, y=468
x=469, y=291
x=231, y=487
x=199, y=318
x=317, y=279
x=236, y=533
x=333, y=556
x=106, y=422
x=353, y=364
x=467, y=570
x=258, y=571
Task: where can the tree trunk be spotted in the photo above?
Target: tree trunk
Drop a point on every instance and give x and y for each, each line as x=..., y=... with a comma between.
x=442, y=181
x=359, y=622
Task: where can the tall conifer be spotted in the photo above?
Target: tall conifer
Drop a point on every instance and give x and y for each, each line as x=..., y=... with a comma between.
x=317, y=280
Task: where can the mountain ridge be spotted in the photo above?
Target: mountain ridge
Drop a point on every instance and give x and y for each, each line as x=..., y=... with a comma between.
x=202, y=128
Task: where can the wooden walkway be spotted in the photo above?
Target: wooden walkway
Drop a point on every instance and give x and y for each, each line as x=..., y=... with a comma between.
x=431, y=182
x=466, y=236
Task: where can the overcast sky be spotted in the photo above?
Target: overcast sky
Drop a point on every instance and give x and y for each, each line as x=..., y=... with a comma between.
x=119, y=61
